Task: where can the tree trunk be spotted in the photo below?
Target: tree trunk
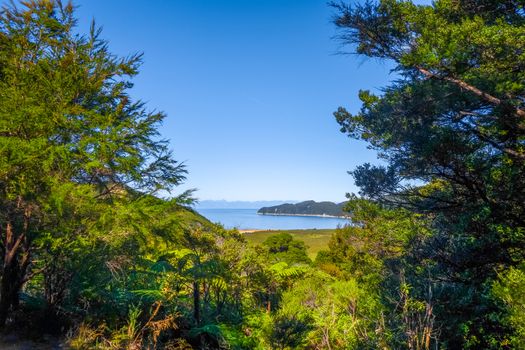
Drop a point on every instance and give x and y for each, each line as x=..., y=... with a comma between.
x=196, y=302
x=9, y=290
x=13, y=271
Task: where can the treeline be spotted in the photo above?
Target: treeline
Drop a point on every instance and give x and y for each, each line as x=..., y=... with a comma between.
x=305, y=208
x=91, y=252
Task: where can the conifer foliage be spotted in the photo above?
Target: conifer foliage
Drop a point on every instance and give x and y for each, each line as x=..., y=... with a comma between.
x=71, y=138
x=454, y=120
x=95, y=249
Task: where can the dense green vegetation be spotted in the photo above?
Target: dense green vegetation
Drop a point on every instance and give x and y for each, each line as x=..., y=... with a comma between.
x=454, y=120
x=315, y=240
x=305, y=208
x=94, y=250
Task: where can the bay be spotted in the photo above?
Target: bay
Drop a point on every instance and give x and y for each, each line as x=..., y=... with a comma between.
x=248, y=219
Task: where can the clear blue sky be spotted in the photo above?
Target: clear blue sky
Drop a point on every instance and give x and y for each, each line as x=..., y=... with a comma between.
x=249, y=88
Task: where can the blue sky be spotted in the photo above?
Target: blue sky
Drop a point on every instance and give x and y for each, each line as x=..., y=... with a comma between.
x=249, y=88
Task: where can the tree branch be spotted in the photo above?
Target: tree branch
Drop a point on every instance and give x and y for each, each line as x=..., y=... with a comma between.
x=485, y=96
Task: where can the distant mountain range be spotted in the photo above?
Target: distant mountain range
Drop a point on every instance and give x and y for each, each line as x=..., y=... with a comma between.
x=223, y=204
x=306, y=208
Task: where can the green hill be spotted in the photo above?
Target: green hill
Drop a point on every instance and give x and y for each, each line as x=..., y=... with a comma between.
x=306, y=208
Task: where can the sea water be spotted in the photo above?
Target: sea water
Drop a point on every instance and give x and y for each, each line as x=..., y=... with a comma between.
x=248, y=219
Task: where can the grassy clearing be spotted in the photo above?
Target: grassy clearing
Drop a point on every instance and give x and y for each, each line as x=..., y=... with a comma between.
x=316, y=240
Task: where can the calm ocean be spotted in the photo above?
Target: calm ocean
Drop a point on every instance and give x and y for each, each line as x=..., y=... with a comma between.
x=246, y=219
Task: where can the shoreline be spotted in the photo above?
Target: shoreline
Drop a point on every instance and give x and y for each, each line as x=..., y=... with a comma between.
x=283, y=229
x=311, y=215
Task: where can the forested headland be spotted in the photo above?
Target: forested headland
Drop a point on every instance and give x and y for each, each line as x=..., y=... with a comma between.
x=306, y=208
x=99, y=250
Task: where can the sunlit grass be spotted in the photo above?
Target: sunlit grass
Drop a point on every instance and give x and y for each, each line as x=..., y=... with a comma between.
x=315, y=240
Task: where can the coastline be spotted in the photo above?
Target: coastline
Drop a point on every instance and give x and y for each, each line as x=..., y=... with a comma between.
x=251, y=230
x=313, y=215
x=249, y=220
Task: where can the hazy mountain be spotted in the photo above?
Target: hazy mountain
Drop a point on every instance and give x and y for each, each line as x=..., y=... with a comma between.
x=223, y=204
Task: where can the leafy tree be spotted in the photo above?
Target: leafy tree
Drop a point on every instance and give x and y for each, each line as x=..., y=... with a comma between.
x=377, y=241
x=380, y=253
x=73, y=144
x=283, y=247
x=509, y=289
x=335, y=314
x=454, y=121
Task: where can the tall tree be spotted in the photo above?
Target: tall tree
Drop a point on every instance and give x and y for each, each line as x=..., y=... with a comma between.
x=454, y=120
x=70, y=135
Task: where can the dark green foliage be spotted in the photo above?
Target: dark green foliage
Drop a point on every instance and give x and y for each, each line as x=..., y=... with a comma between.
x=454, y=121
x=289, y=332
x=88, y=247
x=434, y=257
x=305, y=208
x=283, y=247
x=73, y=145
